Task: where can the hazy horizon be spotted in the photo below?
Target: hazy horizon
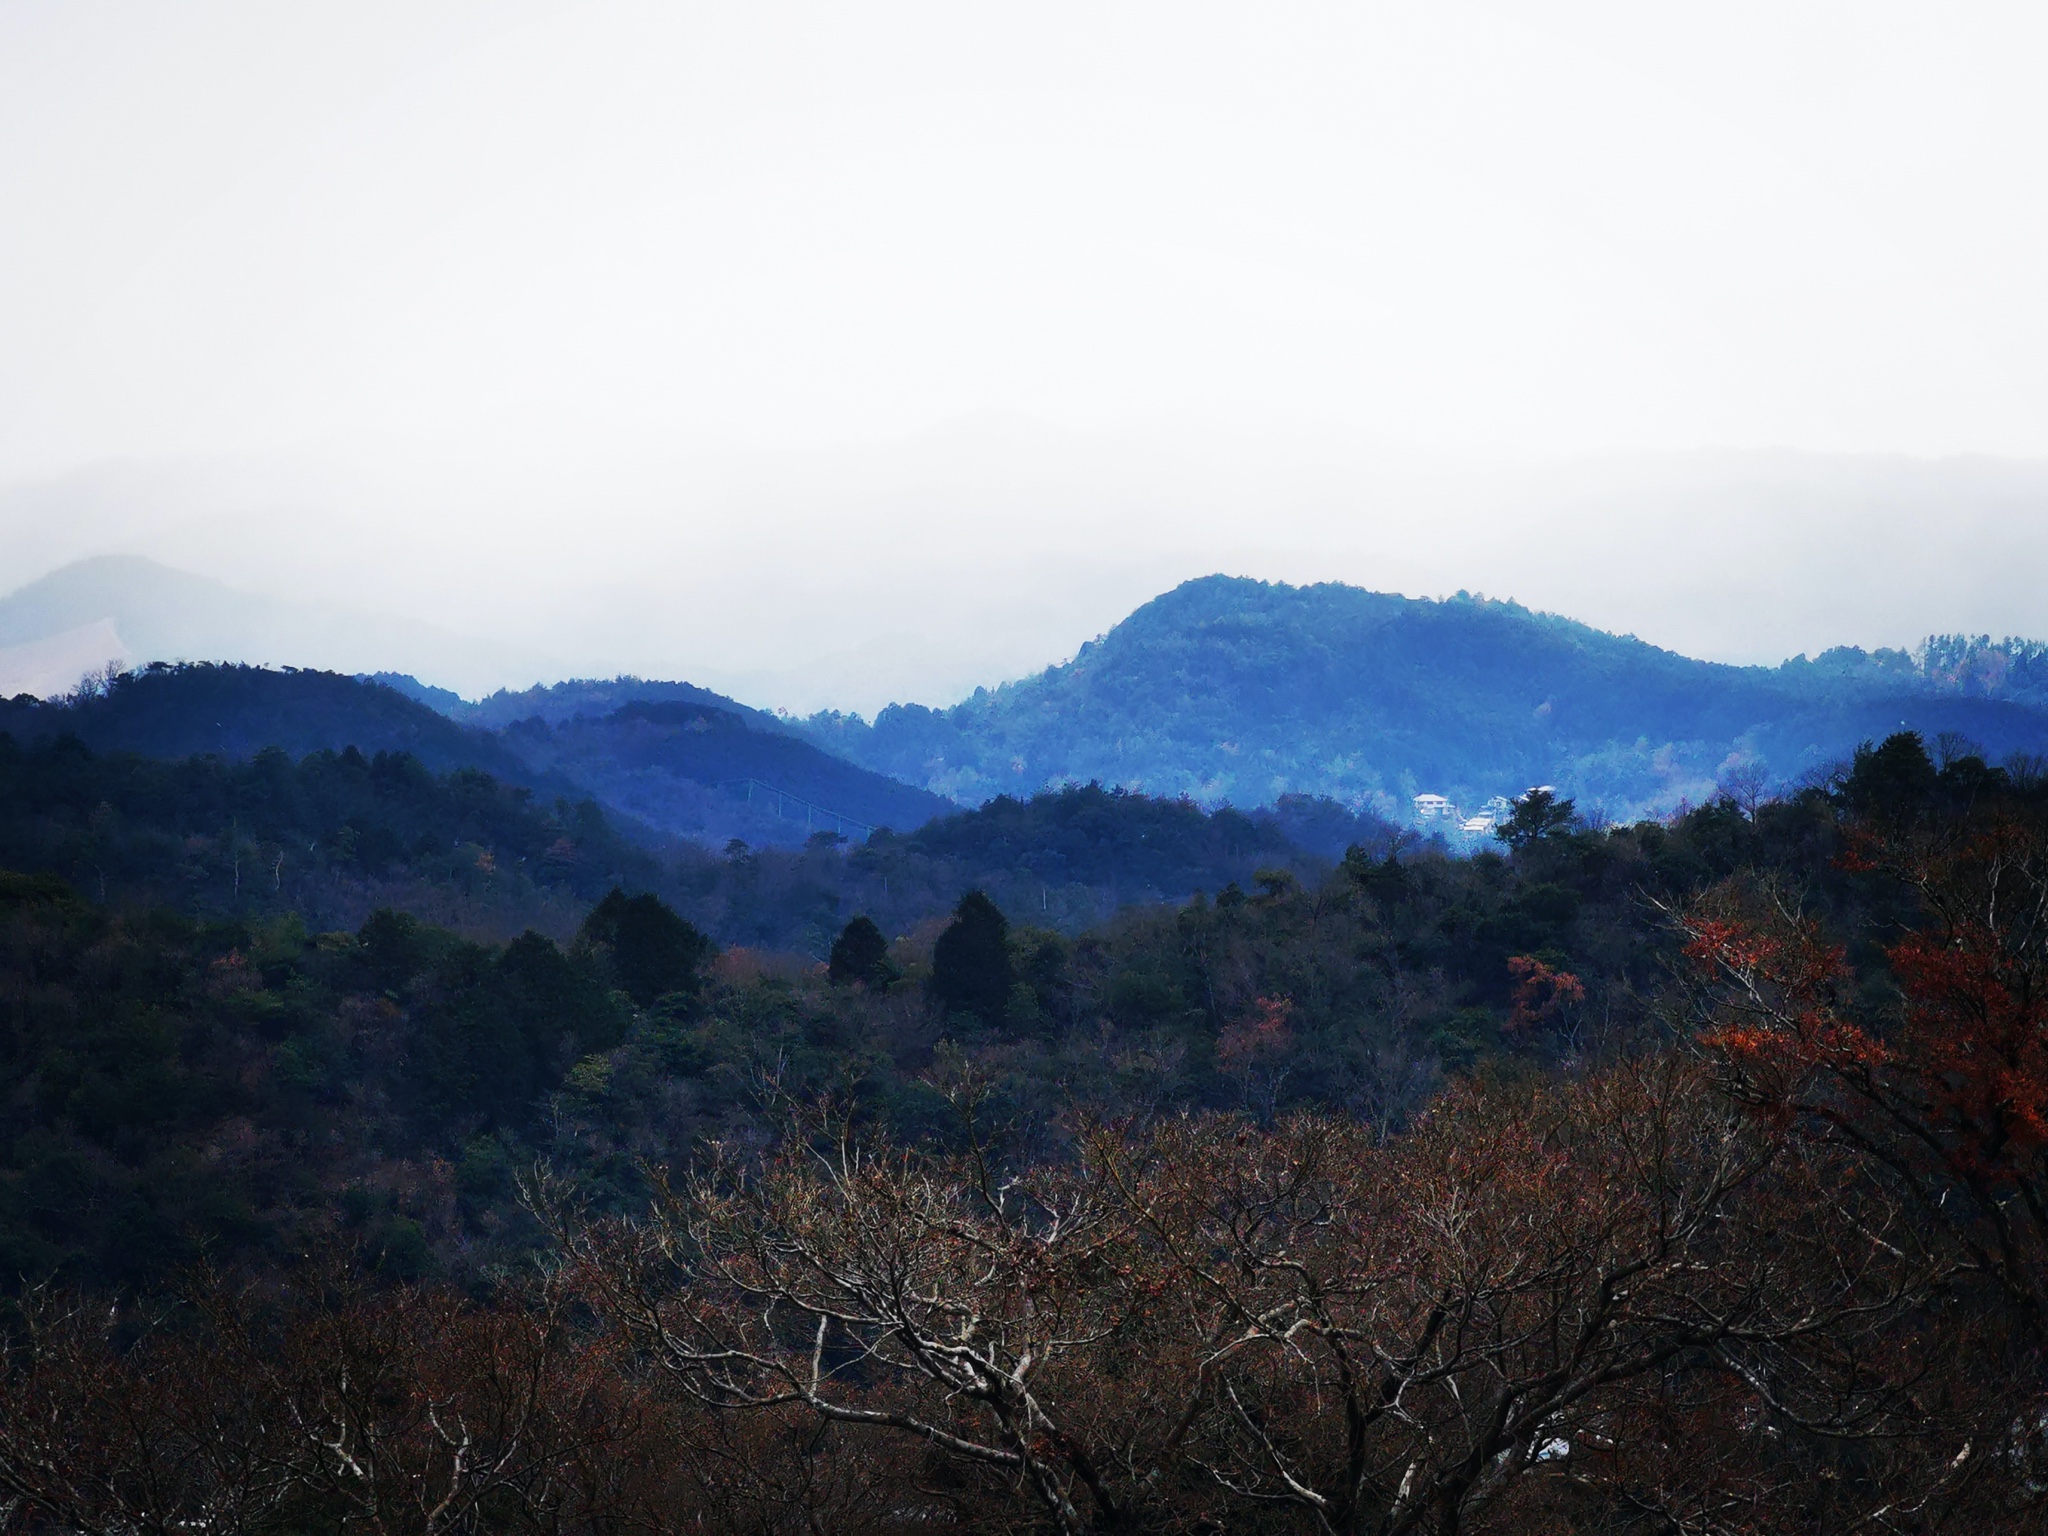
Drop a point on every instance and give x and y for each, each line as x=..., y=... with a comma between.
x=834, y=356
x=1737, y=557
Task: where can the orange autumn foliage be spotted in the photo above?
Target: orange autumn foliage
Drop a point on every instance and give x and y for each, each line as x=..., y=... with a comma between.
x=1540, y=993
x=1947, y=1090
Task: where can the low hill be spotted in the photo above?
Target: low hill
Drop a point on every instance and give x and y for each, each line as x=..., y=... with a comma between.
x=1134, y=846
x=709, y=773
x=1239, y=691
x=331, y=837
x=235, y=711
x=1064, y=860
x=575, y=698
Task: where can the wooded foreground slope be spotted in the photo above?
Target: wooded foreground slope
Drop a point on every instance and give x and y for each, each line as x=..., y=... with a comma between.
x=1682, y=1177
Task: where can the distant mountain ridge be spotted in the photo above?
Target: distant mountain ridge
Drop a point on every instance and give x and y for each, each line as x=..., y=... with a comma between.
x=1233, y=690
x=694, y=770
x=234, y=711
x=682, y=769
x=1225, y=690
x=687, y=760
x=575, y=698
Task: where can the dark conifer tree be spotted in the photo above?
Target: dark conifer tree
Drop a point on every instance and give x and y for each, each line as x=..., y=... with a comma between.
x=1892, y=781
x=651, y=951
x=861, y=954
x=971, y=962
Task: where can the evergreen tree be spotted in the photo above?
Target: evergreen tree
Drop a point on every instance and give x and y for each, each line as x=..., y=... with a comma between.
x=1893, y=780
x=1538, y=815
x=861, y=954
x=650, y=950
x=971, y=962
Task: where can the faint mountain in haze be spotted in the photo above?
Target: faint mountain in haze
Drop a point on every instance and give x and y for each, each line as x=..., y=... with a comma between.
x=990, y=546
x=155, y=613
x=54, y=664
x=1227, y=689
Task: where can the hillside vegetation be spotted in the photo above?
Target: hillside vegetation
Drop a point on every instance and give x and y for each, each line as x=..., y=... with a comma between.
x=329, y=838
x=665, y=768
x=709, y=774
x=234, y=712
x=1677, y=1167
x=335, y=835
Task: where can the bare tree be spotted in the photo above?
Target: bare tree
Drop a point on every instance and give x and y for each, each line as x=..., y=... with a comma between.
x=107, y=1441
x=882, y=1289
x=1427, y=1336
x=1209, y=1321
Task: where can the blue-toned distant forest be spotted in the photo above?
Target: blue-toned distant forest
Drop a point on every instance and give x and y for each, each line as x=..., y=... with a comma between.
x=1238, y=691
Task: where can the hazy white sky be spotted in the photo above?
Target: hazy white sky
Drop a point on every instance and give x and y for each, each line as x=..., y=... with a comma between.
x=462, y=283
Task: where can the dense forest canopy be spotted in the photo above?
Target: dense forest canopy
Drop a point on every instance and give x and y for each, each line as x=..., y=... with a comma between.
x=1679, y=1174
x=1362, y=987
x=403, y=1134
x=329, y=837
x=335, y=835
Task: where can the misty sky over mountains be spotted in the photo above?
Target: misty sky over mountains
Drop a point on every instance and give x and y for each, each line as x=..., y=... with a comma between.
x=830, y=356
x=849, y=578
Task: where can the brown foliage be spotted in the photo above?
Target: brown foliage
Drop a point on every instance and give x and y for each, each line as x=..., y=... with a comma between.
x=1623, y=1303
x=1510, y=1320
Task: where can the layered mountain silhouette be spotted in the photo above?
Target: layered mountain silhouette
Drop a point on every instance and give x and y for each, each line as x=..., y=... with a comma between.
x=1224, y=690
x=683, y=769
x=577, y=698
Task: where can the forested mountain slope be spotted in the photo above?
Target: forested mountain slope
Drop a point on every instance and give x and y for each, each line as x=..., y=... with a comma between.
x=675, y=765
x=235, y=711
x=330, y=837
x=334, y=836
x=709, y=774
x=1236, y=690
x=575, y=698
